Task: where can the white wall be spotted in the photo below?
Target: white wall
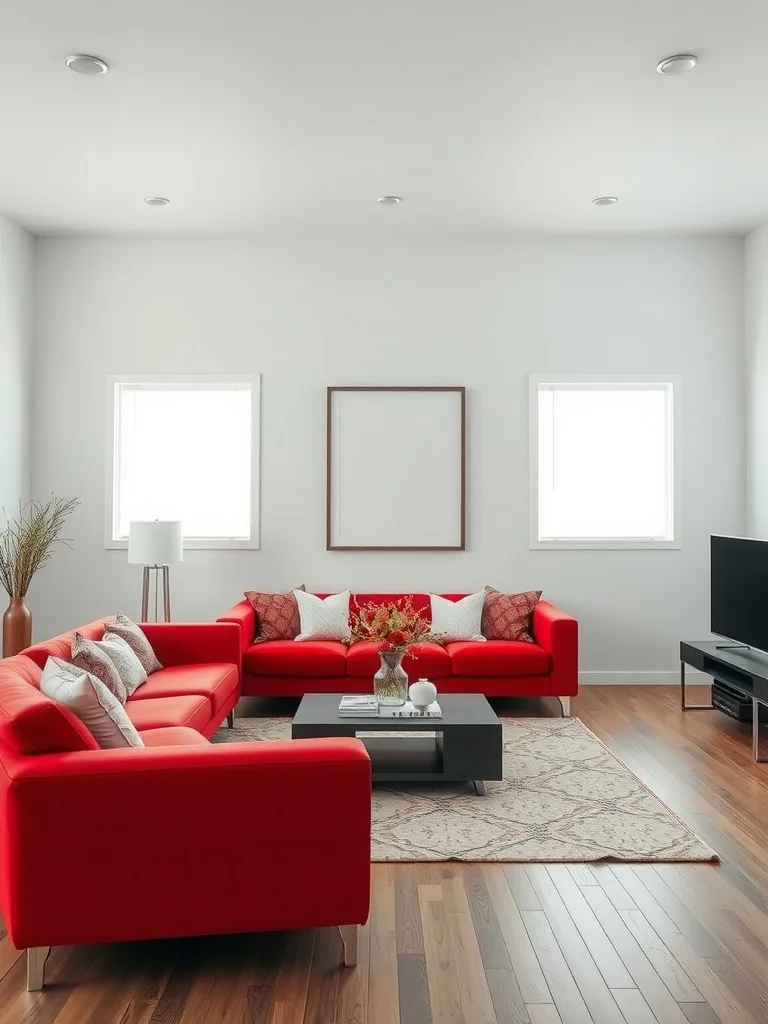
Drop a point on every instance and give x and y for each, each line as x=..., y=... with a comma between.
x=756, y=294
x=479, y=312
x=16, y=278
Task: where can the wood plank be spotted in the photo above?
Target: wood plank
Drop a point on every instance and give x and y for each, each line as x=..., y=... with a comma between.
x=654, y=991
x=173, y=1000
x=290, y=996
x=599, y=945
x=444, y=996
x=323, y=986
x=593, y=988
x=383, y=971
x=582, y=874
x=520, y=886
x=723, y=999
x=506, y=997
x=145, y=993
x=475, y=997
x=259, y=1001
x=544, y=1014
x=702, y=1013
x=354, y=983
x=565, y=991
x=668, y=969
x=701, y=940
x=413, y=989
x=486, y=923
x=527, y=969
x=633, y=1006
x=613, y=888
x=407, y=910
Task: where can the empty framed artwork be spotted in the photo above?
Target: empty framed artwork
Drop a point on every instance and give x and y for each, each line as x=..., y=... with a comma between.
x=396, y=469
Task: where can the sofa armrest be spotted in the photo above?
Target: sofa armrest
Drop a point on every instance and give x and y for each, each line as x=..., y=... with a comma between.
x=205, y=840
x=558, y=633
x=189, y=643
x=244, y=614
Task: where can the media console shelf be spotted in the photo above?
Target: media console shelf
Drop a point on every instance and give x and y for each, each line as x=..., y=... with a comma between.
x=742, y=668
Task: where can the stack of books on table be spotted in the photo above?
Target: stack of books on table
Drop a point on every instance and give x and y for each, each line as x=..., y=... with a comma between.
x=409, y=710
x=359, y=706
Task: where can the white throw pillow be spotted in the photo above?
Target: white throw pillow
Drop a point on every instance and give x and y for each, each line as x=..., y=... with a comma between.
x=99, y=711
x=323, y=618
x=458, y=620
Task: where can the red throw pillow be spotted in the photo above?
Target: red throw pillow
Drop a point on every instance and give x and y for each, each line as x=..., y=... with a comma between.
x=277, y=615
x=508, y=616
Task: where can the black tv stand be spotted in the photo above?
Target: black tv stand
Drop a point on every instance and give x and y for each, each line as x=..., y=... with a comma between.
x=741, y=668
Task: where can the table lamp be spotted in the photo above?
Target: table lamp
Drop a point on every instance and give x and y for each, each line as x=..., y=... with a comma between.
x=155, y=544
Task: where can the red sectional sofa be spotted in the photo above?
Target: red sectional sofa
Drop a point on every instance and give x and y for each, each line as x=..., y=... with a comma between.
x=497, y=668
x=112, y=845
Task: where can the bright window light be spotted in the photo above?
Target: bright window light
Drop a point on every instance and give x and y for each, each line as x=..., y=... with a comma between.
x=604, y=463
x=188, y=450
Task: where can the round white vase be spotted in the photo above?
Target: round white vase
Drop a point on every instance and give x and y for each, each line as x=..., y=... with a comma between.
x=422, y=693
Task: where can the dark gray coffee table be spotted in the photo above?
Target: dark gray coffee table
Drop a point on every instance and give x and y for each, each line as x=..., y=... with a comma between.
x=464, y=746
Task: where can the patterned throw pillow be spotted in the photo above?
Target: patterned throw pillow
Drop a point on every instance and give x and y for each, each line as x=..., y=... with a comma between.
x=323, y=618
x=277, y=615
x=134, y=636
x=457, y=620
x=87, y=697
x=90, y=655
x=508, y=616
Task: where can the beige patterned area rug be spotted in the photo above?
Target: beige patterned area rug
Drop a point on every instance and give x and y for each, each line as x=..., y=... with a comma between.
x=565, y=797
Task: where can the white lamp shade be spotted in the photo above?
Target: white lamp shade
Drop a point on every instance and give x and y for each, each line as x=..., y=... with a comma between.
x=155, y=542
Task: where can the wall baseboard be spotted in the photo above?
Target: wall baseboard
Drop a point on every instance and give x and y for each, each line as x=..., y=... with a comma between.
x=640, y=678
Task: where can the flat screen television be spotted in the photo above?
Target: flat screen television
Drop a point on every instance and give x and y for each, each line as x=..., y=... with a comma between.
x=739, y=590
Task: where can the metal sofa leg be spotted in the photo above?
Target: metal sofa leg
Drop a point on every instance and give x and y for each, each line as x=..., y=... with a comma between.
x=231, y=719
x=565, y=704
x=36, y=957
x=350, y=934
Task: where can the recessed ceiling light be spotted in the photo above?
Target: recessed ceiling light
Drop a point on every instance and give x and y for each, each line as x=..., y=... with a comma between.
x=605, y=200
x=389, y=200
x=677, y=64
x=157, y=201
x=82, y=64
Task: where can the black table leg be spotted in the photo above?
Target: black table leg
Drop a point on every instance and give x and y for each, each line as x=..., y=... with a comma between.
x=690, y=707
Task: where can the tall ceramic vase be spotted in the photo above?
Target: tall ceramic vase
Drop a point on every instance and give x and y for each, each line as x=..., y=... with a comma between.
x=17, y=627
x=390, y=684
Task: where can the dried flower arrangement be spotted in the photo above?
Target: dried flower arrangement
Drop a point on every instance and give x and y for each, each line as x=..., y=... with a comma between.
x=392, y=626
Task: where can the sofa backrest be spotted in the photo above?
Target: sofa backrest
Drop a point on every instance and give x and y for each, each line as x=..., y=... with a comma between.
x=61, y=646
x=30, y=722
x=420, y=601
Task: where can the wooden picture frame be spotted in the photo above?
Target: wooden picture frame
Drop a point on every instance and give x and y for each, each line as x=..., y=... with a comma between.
x=396, y=468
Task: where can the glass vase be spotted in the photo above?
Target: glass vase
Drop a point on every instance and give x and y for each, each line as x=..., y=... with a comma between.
x=390, y=684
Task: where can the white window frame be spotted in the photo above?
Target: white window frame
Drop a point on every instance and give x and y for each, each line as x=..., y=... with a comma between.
x=182, y=381
x=608, y=381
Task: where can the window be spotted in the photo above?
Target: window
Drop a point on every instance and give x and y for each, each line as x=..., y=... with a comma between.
x=186, y=448
x=603, y=462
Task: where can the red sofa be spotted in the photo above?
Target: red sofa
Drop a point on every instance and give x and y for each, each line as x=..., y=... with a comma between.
x=497, y=668
x=138, y=843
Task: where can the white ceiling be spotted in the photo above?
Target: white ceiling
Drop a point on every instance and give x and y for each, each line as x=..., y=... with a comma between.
x=294, y=115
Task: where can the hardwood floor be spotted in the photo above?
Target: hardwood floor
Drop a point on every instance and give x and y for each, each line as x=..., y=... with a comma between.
x=491, y=944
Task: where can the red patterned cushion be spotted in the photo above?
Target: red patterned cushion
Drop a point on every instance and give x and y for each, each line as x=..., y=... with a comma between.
x=277, y=615
x=508, y=616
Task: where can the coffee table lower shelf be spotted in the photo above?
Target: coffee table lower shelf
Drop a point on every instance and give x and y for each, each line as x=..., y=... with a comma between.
x=463, y=746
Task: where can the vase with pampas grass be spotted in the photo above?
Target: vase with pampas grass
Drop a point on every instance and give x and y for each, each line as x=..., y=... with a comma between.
x=26, y=545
